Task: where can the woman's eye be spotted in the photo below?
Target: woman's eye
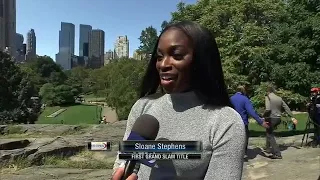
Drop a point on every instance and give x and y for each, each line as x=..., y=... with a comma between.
x=178, y=56
x=159, y=57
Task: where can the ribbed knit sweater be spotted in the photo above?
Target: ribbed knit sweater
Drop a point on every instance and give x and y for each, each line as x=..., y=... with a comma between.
x=183, y=117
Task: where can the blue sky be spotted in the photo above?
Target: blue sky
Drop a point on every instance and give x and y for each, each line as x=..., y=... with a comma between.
x=115, y=17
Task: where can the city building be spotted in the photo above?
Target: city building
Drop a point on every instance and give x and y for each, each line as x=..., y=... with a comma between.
x=108, y=57
x=66, y=45
x=96, y=48
x=121, y=47
x=138, y=56
x=81, y=61
x=31, y=49
x=8, y=26
x=24, y=48
x=20, y=55
x=74, y=61
x=84, y=39
x=19, y=41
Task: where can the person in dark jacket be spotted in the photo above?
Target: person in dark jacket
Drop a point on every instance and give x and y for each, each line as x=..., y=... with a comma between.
x=243, y=106
x=314, y=113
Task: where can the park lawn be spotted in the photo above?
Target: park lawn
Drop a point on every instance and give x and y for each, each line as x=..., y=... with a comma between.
x=76, y=114
x=282, y=130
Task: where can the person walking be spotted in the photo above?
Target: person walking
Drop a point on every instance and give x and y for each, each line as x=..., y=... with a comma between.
x=274, y=105
x=243, y=106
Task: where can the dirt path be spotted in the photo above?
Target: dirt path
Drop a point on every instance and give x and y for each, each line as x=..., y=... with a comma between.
x=110, y=114
x=106, y=110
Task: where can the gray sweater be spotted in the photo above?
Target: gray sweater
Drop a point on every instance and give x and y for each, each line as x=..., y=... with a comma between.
x=183, y=117
x=274, y=106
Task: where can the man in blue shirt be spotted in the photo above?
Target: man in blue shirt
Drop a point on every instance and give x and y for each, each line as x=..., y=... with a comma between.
x=243, y=106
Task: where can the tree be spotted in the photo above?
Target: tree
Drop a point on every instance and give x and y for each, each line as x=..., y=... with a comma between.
x=44, y=66
x=148, y=40
x=16, y=92
x=77, y=78
x=47, y=94
x=119, y=83
x=164, y=24
x=57, y=95
x=123, y=84
x=44, y=70
x=262, y=41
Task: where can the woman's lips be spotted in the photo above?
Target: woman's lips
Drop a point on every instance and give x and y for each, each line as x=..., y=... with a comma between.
x=167, y=78
x=166, y=82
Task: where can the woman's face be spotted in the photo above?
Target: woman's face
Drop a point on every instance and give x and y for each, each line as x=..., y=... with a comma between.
x=174, y=57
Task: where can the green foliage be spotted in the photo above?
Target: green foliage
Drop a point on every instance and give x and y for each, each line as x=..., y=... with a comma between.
x=77, y=79
x=262, y=41
x=148, y=40
x=16, y=92
x=164, y=24
x=57, y=95
x=44, y=70
x=119, y=82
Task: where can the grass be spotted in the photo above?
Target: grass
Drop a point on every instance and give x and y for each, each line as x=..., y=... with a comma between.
x=76, y=114
x=14, y=164
x=12, y=129
x=92, y=97
x=85, y=160
x=256, y=130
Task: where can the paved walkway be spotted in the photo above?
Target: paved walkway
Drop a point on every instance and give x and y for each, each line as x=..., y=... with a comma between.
x=297, y=164
x=106, y=111
x=110, y=114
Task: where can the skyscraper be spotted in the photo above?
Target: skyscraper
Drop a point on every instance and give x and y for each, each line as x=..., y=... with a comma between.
x=96, y=48
x=31, y=50
x=108, y=57
x=66, y=45
x=122, y=47
x=19, y=42
x=20, y=56
x=8, y=25
x=84, y=40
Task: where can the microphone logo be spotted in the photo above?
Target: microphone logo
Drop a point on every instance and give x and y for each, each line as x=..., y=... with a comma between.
x=99, y=146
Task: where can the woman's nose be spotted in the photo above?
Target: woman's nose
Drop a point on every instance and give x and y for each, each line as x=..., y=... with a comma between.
x=165, y=64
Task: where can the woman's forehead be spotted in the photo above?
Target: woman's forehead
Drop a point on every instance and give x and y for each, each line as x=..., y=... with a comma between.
x=173, y=37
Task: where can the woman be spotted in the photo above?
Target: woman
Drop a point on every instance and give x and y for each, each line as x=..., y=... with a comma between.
x=195, y=106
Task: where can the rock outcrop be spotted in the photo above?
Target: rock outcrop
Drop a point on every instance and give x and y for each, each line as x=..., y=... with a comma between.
x=44, y=141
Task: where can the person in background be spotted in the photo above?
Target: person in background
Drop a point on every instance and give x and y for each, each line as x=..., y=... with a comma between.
x=105, y=120
x=274, y=105
x=243, y=106
x=314, y=113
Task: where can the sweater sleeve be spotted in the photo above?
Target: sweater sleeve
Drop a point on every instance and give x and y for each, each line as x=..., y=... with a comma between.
x=287, y=109
x=252, y=112
x=228, y=148
x=267, y=111
x=136, y=111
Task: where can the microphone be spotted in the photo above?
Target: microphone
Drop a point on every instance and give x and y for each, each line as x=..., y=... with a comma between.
x=146, y=127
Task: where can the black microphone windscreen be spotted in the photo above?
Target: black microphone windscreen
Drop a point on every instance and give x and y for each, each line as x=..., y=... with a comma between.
x=146, y=126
